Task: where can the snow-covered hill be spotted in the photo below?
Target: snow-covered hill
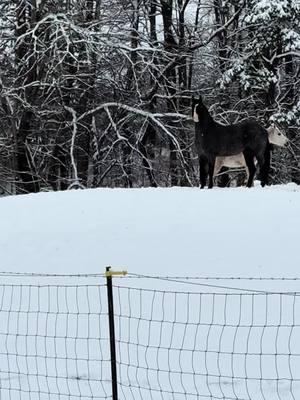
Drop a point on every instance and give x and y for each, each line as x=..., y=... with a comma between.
x=184, y=231
x=175, y=340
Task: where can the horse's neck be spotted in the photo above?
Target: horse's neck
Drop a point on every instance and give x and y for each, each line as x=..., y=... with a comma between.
x=206, y=123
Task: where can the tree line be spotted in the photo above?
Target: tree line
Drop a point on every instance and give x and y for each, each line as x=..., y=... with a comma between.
x=97, y=93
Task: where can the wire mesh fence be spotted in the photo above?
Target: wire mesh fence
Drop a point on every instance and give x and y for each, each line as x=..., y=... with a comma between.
x=170, y=343
x=53, y=342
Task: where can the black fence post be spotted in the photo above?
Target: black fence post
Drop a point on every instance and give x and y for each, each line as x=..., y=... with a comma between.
x=110, y=303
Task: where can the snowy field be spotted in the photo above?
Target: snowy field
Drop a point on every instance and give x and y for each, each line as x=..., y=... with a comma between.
x=183, y=231
x=181, y=339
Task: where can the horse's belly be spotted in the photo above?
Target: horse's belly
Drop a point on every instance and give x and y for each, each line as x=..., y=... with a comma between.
x=233, y=161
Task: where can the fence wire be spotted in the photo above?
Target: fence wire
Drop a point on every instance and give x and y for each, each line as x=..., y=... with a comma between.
x=54, y=343
x=175, y=345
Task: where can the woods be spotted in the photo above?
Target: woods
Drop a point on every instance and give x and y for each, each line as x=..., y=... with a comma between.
x=97, y=93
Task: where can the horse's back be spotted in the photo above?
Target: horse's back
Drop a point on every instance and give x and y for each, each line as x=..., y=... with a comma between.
x=252, y=127
x=256, y=136
x=228, y=140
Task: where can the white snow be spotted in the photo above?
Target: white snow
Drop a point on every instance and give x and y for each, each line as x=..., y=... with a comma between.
x=230, y=345
x=183, y=231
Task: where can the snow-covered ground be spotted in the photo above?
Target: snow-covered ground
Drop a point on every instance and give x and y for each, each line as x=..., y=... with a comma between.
x=175, y=339
x=183, y=231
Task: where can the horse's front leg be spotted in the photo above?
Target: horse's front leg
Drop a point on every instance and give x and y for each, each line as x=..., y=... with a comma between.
x=211, y=168
x=202, y=170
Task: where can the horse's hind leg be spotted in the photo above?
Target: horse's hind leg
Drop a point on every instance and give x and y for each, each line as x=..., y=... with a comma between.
x=203, y=170
x=249, y=158
x=264, y=165
x=267, y=163
x=247, y=175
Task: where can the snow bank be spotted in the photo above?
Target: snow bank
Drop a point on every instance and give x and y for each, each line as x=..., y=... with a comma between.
x=183, y=231
x=54, y=339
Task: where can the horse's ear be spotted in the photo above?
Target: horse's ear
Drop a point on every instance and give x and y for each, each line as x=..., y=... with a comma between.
x=200, y=100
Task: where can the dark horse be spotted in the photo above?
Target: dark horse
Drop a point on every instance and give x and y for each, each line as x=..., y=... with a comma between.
x=213, y=139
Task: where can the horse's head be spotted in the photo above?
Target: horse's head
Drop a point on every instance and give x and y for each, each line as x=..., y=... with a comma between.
x=276, y=136
x=198, y=109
